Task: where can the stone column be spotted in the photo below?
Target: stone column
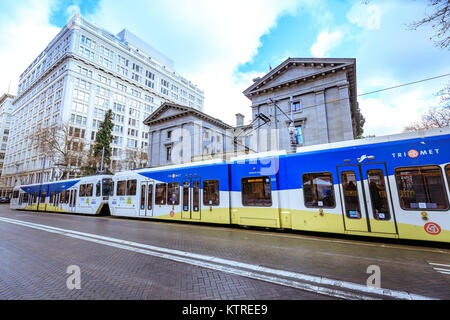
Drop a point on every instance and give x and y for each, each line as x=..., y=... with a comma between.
x=321, y=127
x=346, y=115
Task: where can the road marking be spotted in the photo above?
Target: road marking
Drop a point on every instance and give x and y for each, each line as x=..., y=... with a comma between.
x=441, y=270
x=235, y=267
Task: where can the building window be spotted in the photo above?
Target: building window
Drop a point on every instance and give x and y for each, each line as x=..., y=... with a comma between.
x=299, y=134
x=297, y=106
x=169, y=154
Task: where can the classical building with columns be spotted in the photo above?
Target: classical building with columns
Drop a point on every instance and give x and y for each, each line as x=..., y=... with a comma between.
x=302, y=102
x=316, y=96
x=180, y=134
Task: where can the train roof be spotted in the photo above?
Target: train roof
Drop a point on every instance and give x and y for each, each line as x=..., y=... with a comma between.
x=375, y=140
x=346, y=144
x=61, y=181
x=171, y=167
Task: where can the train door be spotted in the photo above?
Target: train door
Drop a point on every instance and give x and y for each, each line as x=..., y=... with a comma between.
x=367, y=204
x=146, y=203
x=191, y=194
x=72, y=200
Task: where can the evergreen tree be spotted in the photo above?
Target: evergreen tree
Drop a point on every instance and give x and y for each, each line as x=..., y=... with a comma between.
x=103, y=140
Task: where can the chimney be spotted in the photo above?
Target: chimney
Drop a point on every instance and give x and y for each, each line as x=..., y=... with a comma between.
x=239, y=119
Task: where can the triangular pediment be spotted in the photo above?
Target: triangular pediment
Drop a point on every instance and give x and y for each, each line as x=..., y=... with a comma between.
x=169, y=111
x=296, y=68
x=166, y=110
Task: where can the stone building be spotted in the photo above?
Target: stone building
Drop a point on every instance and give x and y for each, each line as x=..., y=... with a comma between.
x=316, y=95
x=180, y=134
x=6, y=109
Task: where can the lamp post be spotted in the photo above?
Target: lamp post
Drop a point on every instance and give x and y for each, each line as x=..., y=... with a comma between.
x=42, y=181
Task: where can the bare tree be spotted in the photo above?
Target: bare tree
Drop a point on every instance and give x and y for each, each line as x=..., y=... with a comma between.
x=439, y=20
x=64, y=144
x=135, y=158
x=433, y=118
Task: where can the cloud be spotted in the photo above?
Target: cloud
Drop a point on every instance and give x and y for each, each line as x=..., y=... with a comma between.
x=392, y=55
x=325, y=43
x=365, y=15
x=207, y=40
x=392, y=111
x=25, y=33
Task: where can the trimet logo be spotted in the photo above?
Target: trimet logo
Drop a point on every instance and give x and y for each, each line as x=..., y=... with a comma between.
x=414, y=153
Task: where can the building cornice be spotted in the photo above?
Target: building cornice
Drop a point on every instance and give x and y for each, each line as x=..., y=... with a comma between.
x=185, y=111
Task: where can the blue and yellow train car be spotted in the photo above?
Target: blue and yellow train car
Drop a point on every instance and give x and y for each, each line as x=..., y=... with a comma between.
x=393, y=187
x=87, y=195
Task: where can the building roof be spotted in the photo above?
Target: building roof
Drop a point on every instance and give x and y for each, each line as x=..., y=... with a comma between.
x=324, y=66
x=321, y=67
x=156, y=118
x=6, y=96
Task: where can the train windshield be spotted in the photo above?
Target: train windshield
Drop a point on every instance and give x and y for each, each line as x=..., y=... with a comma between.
x=108, y=187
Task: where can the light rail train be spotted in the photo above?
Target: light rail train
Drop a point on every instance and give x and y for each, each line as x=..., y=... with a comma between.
x=393, y=187
x=87, y=195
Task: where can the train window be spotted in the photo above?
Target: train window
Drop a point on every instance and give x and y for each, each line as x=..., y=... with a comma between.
x=186, y=196
x=256, y=192
x=173, y=193
x=160, y=193
x=378, y=196
x=211, y=195
x=447, y=170
x=318, y=190
x=52, y=195
x=351, y=197
x=150, y=197
x=143, y=196
x=82, y=190
x=196, y=195
x=131, y=187
x=421, y=188
x=74, y=198
x=121, y=188
x=108, y=187
x=98, y=190
x=42, y=200
x=35, y=197
x=89, y=190
x=15, y=194
x=25, y=197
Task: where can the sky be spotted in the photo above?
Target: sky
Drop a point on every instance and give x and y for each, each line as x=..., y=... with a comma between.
x=222, y=45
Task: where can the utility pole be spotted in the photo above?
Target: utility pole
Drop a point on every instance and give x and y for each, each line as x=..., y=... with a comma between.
x=42, y=181
x=101, y=166
x=292, y=130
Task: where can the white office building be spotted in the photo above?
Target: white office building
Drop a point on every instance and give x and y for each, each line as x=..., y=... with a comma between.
x=83, y=72
x=5, y=126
